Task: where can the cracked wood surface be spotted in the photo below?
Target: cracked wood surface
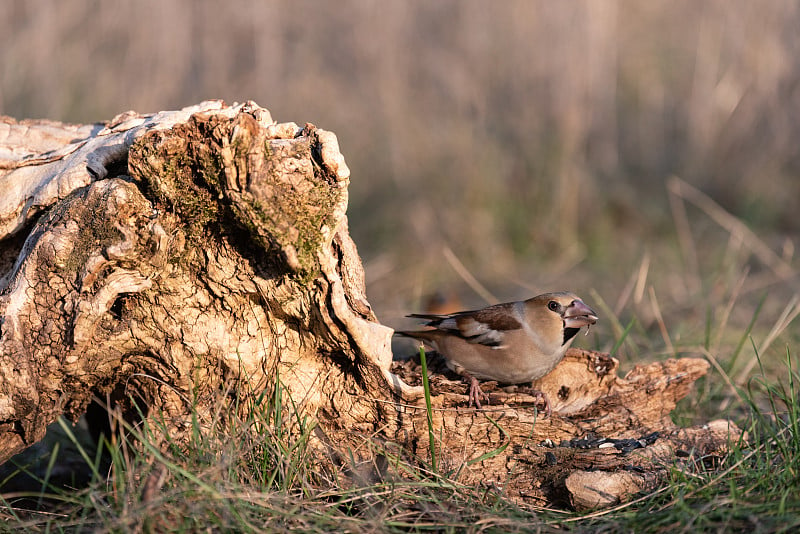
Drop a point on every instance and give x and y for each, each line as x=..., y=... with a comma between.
x=173, y=255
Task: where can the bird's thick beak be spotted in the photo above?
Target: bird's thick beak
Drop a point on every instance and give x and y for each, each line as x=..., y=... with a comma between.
x=579, y=314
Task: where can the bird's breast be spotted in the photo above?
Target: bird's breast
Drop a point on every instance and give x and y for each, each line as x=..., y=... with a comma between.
x=502, y=364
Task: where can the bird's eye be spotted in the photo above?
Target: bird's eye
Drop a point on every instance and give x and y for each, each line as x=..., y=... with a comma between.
x=553, y=306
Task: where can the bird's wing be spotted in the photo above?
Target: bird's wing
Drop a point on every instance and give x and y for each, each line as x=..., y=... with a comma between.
x=485, y=327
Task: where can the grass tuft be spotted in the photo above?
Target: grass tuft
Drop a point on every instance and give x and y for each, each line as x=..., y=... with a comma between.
x=249, y=472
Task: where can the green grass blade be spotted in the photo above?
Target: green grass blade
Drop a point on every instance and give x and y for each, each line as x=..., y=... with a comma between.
x=622, y=337
x=428, y=409
x=746, y=333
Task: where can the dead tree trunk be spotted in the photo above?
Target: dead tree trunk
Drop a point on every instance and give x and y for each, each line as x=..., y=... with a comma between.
x=161, y=258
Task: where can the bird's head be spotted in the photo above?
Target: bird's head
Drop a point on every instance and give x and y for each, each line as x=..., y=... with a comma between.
x=569, y=311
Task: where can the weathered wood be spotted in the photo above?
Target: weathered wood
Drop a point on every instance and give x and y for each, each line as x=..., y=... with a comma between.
x=169, y=259
x=533, y=455
x=218, y=251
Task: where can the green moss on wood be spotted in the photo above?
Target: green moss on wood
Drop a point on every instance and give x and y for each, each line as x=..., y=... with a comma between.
x=185, y=170
x=97, y=232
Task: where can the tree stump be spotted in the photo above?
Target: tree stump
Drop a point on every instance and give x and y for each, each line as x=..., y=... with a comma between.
x=162, y=259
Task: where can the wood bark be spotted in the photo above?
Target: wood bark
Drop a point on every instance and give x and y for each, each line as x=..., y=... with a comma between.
x=165, y=259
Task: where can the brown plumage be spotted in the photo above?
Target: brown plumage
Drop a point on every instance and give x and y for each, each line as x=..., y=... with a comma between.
x=511, y=343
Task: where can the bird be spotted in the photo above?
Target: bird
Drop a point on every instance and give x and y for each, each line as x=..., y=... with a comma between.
x=511, y=343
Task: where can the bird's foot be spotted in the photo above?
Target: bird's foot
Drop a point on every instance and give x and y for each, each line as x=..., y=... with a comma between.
x=541, y=399
x=476, y=393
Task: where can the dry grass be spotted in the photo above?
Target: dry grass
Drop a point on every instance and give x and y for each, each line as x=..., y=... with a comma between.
x=529, y=137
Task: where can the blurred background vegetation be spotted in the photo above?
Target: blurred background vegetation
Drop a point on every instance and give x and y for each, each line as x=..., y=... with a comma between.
x=644, y=154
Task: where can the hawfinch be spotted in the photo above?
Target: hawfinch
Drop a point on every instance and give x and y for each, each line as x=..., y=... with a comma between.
x=511, y=343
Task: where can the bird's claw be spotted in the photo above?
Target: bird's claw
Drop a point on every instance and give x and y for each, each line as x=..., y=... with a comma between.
x=541, y=395
x=476, y=393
